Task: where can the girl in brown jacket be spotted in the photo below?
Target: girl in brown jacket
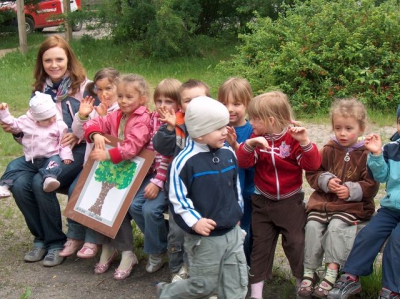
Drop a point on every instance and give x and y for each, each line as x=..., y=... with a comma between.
x=343, y=197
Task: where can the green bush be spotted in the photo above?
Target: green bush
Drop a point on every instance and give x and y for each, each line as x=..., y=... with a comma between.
x=166, y=28
x=320, y=50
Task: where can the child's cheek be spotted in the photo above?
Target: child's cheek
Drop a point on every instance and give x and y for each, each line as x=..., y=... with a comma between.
x=352, y=136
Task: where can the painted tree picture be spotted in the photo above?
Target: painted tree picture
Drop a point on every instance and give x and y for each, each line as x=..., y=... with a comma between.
x=110, y=176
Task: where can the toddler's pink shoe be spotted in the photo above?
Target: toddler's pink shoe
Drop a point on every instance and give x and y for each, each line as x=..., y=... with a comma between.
x=4, y=192
x=50, y=184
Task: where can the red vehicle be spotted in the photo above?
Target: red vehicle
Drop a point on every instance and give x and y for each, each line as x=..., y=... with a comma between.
x=43, y=14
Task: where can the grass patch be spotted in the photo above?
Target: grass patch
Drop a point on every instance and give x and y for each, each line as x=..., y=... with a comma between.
x=371, y=284
x=11, y=40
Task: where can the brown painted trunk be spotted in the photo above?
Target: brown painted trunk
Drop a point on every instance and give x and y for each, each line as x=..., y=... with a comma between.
x=98, y=205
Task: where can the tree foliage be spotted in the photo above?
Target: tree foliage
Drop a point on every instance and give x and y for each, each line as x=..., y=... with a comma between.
x=120, y=175
x=166, y=28
x=319, y=50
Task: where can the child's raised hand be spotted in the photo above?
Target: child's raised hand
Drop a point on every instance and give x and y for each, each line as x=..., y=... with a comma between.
x=98, y=154
x=102, y=109
x=259, y=142
x=67, y=161
x=167, y=116
x=373, y=143
x=100, y=141
x=3, y=106
x=86, y=106
x=300, y=134
x=204, y=226
x=231, y=138
x=151, y=191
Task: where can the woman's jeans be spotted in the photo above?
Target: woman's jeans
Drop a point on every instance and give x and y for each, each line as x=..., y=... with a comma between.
x=41, y=209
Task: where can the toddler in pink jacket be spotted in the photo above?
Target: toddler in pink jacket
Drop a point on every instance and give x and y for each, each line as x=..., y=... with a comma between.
x=42, y=134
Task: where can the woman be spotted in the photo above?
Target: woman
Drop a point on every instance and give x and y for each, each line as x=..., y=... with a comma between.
x=58, y=73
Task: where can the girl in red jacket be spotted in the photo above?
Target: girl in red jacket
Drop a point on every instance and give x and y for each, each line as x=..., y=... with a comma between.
x=131, y=123
x=280, y=151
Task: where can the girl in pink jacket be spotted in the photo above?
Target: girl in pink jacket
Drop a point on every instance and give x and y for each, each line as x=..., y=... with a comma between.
x=131, y=123
x=42, y=131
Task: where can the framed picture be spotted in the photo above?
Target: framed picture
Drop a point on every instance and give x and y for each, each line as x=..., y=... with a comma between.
x=105, y=190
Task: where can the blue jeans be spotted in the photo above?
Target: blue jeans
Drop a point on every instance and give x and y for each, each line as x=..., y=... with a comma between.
x=148, y=215
x=48, y=167
x=368, y=244
x=42, y=210
x=76, y=230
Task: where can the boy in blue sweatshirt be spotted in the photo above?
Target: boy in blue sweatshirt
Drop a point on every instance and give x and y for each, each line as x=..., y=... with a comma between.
x=204, y=192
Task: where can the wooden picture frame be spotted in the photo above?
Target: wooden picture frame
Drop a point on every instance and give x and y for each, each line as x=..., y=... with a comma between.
x=104, y=191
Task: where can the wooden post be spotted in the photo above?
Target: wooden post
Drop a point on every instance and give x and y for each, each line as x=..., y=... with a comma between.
x=23, y=44
x=68, y=24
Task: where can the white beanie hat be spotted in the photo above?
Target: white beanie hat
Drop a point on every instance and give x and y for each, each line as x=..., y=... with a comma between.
x=205, y=115
x=42, y=106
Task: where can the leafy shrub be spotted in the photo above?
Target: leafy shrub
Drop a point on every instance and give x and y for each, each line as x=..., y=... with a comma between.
x=166, y=28
x=319, y=50
x=6, y=18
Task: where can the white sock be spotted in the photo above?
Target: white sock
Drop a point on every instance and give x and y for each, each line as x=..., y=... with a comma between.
x=106, y=252
x=257, y=289
x=126, y=260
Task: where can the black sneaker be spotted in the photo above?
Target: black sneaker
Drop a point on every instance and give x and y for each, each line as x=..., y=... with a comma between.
x=53, y=258
x=345, y=287
x=35, y=255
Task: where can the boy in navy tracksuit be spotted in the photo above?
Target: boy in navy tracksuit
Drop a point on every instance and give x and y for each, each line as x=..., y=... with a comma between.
x=204, y=192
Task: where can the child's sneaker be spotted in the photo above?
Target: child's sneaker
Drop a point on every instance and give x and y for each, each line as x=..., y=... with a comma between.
x=388, y=294
x=155, y=262
x=35, y=255
x=50, y=184
x=53, y=258
x=182, y=274
x=4, y=192
x=346, y=286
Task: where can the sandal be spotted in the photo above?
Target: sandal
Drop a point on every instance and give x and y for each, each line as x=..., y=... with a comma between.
x=307, y=290
x=322, y=291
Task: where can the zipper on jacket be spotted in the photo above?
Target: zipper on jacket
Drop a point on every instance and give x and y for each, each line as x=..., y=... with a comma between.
x=346, y=159
x=278, y=188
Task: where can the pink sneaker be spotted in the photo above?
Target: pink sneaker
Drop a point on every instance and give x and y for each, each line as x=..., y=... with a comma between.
x=70, y=247
x=89, y=250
